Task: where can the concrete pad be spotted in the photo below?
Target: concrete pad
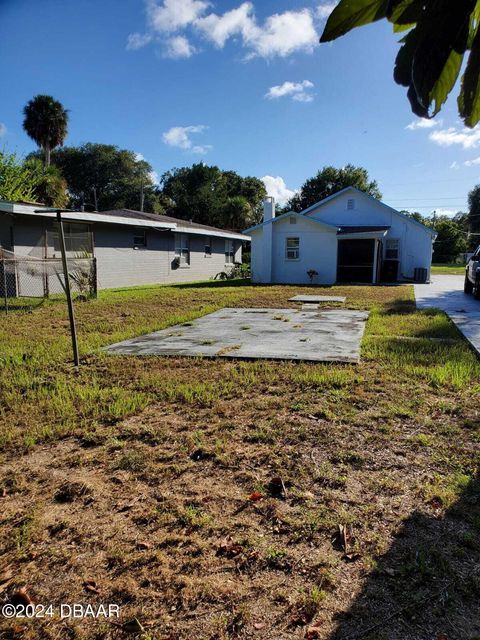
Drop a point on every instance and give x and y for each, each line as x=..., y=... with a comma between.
x=317, y=299
x=308, y=306
x=445, y=292
x=278, y=334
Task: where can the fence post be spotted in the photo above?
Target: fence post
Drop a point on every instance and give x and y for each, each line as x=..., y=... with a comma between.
x=68, y=291
x=94, y=276
x=5, y=294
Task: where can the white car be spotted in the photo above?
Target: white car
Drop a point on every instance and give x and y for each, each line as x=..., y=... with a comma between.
x=472, y=275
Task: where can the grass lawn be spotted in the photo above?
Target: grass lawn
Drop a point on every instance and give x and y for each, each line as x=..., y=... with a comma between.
x=216, y=499
x=448, y=269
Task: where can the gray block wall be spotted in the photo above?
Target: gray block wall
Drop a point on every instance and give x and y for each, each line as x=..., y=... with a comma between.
x=119, y=264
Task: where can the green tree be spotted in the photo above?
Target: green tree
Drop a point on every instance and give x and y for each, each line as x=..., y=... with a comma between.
x=18, y=181
x=51, y=187
x=31, y=181
x=451, y=240
x=473, y=219
x=46, y=122
x=208, y=195
x=107, y=177
x=330, y=180
x=439, y=35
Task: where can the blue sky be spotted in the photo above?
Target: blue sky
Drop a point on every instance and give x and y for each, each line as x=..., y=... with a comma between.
x=244, y=85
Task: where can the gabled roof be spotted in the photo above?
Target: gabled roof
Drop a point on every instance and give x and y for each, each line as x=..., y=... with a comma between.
x=367, y=195
x=332, y=227
x=308, y=210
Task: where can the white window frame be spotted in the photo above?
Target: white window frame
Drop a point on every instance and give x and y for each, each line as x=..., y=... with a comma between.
x=293, y=252
x=390, y=249
x=182, y=249
x=208, y=247
x=229, y=251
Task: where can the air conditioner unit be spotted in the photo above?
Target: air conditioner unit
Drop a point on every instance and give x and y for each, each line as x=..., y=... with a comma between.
x=420, y=275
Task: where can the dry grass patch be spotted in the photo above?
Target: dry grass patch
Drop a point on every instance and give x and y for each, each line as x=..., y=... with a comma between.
x=205, y=496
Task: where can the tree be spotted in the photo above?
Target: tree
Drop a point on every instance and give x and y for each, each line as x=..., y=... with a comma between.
x=473, y=219
x=210, y=196
x=51, y=188
x=439, y=35
x=450, y=241
x=107, y=177
x=17, y=181
x=46, y=122
x=30, y=181
x=330, y=180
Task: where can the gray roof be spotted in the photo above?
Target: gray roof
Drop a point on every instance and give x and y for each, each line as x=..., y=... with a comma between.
x=140, y=215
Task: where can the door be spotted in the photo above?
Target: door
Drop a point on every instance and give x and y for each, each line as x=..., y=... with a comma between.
x=355, y=260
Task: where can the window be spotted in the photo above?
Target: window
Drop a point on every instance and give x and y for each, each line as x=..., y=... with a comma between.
x=292, y=248
x=392, y=249
x=140, y=239
x=229, y=252
x=350, y=203
x=78, y=238
x=208, y=247
x=182, y=249
x=293, y=220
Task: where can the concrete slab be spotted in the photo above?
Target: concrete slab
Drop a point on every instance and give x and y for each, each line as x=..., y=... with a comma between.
x=308, y=298
x=277, y=334
x=445, y=292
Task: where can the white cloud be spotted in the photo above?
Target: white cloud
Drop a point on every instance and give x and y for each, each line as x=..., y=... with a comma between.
x=472, y=163
x=277, y=188
x=324, y=10
x=3, y=130
x=455, y=165
x=219, y=29
x=171, y=15
x=280, y=35
x=467, y=138
x=153, y=175
x=180, y=137
x=283, y=34
x=297, y=90
x=138, y=40
x=423, y=123
x=179, y=47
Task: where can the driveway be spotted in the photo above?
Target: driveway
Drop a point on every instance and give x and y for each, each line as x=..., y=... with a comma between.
x=446, y=293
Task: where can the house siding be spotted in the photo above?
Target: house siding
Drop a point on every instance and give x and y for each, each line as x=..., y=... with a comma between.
x=415, y=242
x=119, y=264
x=318, y=251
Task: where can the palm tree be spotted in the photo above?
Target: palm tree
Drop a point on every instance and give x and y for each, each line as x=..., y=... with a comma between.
x=46, y=123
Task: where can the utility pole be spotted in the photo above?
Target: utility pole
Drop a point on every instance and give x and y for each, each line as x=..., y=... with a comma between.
x=434, y=217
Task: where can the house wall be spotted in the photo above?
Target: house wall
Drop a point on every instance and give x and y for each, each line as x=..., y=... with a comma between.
x=415, y=241
x=119, y=264
x=318, y=251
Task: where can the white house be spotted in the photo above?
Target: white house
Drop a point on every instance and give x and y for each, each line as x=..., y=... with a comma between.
x=347, y=237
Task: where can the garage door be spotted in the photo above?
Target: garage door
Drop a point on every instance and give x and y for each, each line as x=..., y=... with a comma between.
x=355, y=260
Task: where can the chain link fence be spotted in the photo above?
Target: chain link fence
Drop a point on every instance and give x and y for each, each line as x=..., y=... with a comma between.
x=26, y=281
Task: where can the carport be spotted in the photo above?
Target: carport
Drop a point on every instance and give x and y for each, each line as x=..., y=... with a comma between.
x=359, y=254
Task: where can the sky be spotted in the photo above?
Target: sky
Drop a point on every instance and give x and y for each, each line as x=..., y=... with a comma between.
x=242, y=85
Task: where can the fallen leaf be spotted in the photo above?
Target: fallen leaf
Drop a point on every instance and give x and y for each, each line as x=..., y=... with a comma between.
x=256, y=496
x=144, y=546
x=229, y=549
x=91, y=586
x=259, y=625
x=312, y=632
